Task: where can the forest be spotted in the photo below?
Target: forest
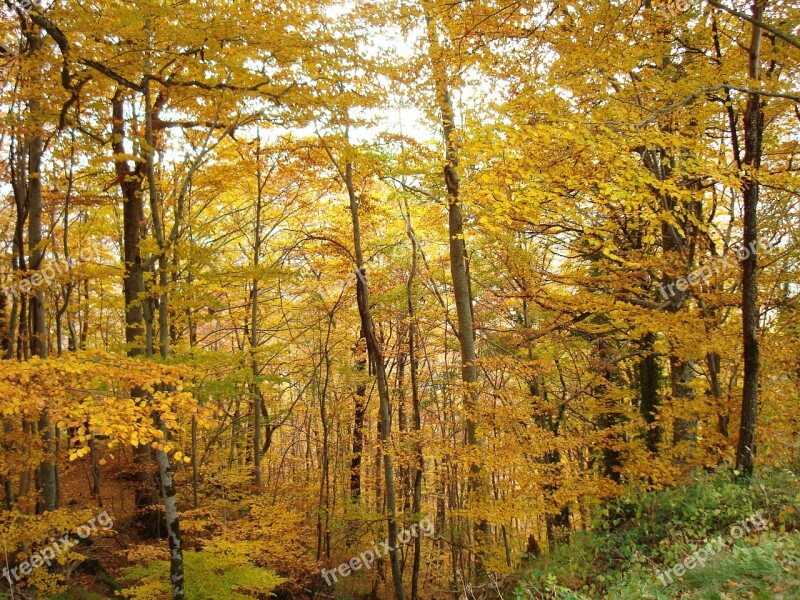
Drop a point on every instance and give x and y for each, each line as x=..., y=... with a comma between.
x=400, y=299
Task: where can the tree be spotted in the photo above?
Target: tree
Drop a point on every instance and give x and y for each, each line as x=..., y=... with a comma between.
x=753, y=149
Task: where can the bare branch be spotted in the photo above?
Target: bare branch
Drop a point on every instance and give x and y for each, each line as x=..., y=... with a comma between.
x=784, y=36
x=707, y=90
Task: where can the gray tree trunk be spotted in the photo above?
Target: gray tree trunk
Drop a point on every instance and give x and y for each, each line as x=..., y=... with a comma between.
x=459, y=271
x=173, y=523
x=416, y=413
x=162, y=458
x=46, y=472
x=130, y=181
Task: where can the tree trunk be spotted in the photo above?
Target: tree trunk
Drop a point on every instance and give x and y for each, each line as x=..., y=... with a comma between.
x=130, y=181
x=649, y=376
x=323, y=510
x=359, y=415
x=376, y=354
x=610, y=418
x=254, y=387
x=658, y=162
x=558, y=525
x=39, y=347
x=753, y=134
x=416, y=414
x=459, y=272
x=162, y=458
x=173, y=523
x=26, y=171
x=681, y=376
x=712, y=362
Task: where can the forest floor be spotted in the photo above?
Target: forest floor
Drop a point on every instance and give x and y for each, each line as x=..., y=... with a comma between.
x=711, y=539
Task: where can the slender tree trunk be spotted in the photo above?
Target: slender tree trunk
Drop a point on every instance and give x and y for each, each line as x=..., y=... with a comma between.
x=753, y=134
x=5, y=333
x=459, y=271
x=5, y=342
x=416, y=414
x=195, y=465
x=195, y=477
x=376, y=354
x=35, y=250
x=62, y=310
x=323, y=530
x=173, y=523
x=662, y=164
x=558, y=525
x=95, y=471
x=27, y=475
x=162, y=458
x=610, y=419
x=18, y=167
x=712, y=362
x=255, y=389
x=681, y=376
x=359, y=415
x=19, y=172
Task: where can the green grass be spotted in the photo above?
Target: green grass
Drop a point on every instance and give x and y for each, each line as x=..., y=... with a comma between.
x=646, y=532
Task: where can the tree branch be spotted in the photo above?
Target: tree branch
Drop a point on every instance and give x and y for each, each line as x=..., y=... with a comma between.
x=784, y=36
x=707, y=90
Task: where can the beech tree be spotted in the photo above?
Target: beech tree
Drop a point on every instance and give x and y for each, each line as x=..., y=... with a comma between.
x=384, y=299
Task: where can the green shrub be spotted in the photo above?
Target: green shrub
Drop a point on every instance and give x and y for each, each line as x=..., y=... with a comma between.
x=221, y=571
x=643, y=532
